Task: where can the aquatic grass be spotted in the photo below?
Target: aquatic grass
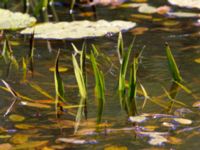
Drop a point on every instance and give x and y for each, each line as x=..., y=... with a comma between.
x=172, y=64
x=30, y=56
x=72, y=6
x=123, y=71
x=26, y=5
x=59, y=86
x=132, y=90
x=120, y=47
x=8, y=56
x=146, y=97
x=24, y=69
x=78, y=70
x=40, y=90
x=99, y=86
x=54, y=13
x=5, y=3
x=80, y=74
x=14, y=99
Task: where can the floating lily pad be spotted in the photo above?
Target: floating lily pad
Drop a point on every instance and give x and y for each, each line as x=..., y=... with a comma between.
x=78, y=29
x=186, y=3
x=184, y=14
x=76, y=141
x=15, y=20
x=157, y=140
x=147, y=9
x=137, y=119
x=183, y=121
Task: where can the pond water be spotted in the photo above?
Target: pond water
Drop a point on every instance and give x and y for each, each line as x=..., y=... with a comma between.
x=116, y=132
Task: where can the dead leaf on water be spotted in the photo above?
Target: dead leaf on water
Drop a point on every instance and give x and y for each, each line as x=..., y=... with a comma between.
x=6, y=146
x=47, y=148
x=24, y=126
x=113, y=147
x=192, y=47
x=174, y=140
x=16, y=118
x=131, y=5
x=197, y=60
x=170, y=23
x=86, y=14
x=141, y=16
x=196, y=104
x=36, y=105
x=163, y=9
x=139, y=30
x=150, y=128
x=20, y=138
x=31, y=145
x=139, y=1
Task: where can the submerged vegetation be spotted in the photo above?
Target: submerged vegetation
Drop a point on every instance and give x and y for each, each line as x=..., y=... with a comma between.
x=82, y=88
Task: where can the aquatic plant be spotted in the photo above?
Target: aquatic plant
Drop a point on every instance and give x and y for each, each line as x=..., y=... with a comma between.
x=132, y=90
x=59, y=86
x=99, y=86
x=80, y=74
x=8, y=56
x=172, y=65
x=124, y=59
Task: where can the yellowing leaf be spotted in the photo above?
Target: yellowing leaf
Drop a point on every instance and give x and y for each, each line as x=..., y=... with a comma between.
x=31, y=145
x=60, y=69
x=5, y=136
x=150, y=128
x=139, y=30
x=141, y=16
x=86, y=14
x=197, y=60
x=116, y=148
x=37, y=105
x=47, y=148
x=174, y=140
x=20, y=138
x=183, y=121
x=196, y=104
x=16, y=118
x=24, y=126
x=5, y=146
